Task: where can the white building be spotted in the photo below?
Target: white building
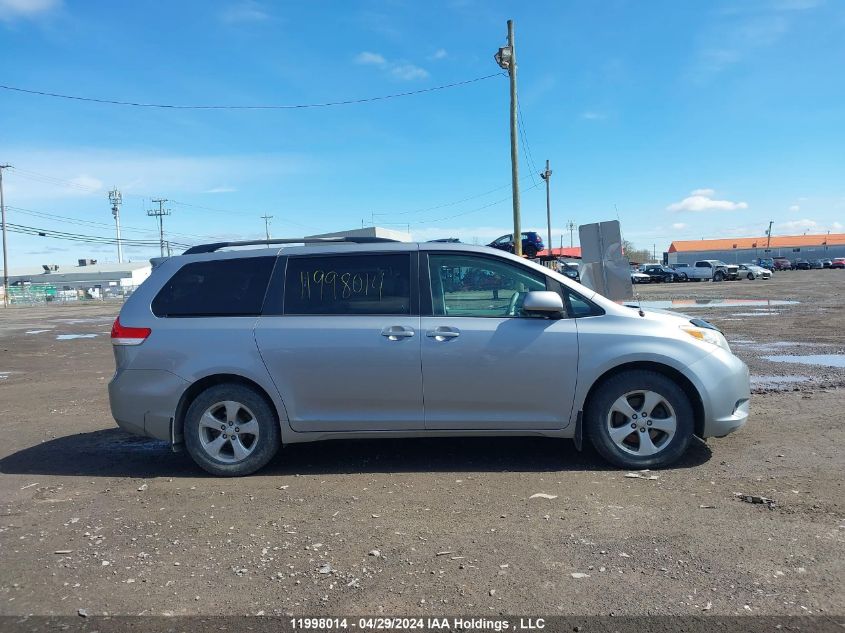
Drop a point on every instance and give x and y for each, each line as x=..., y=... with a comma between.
x=88, y=276
x=369, y=231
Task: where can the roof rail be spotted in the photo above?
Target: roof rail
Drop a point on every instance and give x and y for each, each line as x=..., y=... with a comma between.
x=216, y=246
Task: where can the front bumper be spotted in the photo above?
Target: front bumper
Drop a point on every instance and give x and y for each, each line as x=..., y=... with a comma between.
x=725, y=389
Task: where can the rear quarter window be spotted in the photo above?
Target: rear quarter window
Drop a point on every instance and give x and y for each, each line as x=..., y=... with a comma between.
x=223, y=287
x=371, y=284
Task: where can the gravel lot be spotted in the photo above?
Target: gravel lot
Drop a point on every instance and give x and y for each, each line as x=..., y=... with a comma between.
x=99, y=520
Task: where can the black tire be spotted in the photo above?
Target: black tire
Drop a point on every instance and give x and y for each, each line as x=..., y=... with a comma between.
x=530, y=252
x=751, y=276
x=599, y=407
x=268, y=439
x=719, y=276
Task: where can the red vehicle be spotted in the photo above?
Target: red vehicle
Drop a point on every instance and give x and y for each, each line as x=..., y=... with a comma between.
x=781, y=263
x=838, y=262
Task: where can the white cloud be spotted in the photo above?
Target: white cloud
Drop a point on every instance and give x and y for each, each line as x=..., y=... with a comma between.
x=593, y=116
x=245, y=11
x=223, y=189
x=23, y=9
x=399, y=70
x=678, y=226
x=84, y=172
x=440, y=53
x=368, y=58
x=809, y=226
x=702, y=200
x=409, y=72
x=795, y=208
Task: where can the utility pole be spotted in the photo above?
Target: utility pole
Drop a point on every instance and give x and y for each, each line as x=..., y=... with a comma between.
x=5, y=248
x=160, y=213
x=547, y=176
x=769, y=234
x=267, y=219
x=116, y=199
x=506, y=58
x=571, y=226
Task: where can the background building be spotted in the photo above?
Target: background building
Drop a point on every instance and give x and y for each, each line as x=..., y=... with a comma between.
x=369, y=231
x=87, y=279
x=745, y=249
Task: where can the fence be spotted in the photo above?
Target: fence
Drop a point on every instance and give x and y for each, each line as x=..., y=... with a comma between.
x=46, y=294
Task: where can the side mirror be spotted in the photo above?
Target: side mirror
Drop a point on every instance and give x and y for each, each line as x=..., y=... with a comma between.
x=543, y=303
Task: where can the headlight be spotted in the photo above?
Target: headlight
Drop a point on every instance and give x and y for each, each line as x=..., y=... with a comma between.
x=714, y=337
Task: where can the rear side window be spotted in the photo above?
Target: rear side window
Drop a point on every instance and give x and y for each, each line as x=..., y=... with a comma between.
x=223, y=287
x=348, y=285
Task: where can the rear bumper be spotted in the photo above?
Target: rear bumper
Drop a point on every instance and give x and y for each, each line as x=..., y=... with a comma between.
x=144, y=401
x=725, y=390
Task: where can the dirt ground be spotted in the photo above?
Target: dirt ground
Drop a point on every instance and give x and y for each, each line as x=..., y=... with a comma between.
x=95, y=519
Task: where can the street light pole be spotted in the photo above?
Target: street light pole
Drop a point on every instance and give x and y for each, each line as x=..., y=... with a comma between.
x=506, y=58
x=547, y=176
x=5, y=248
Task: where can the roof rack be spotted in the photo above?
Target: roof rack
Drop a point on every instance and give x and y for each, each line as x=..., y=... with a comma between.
x=216, y=246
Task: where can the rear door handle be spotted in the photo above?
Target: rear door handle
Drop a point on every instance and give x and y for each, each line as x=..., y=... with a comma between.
x=443, y=333
x=397, y=332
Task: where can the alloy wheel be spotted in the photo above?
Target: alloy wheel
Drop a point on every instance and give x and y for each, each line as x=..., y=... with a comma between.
x=228, y=431
x=641, y=423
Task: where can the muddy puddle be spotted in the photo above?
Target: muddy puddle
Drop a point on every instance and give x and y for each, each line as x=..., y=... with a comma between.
x=817, y=360
x=685, y=304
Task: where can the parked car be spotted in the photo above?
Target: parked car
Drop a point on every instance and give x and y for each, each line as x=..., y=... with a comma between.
x=801, y=264
x=781, y=263
x=827, y=262
x=732, y=272
x=837, y=262
x=570, y=269
x=220, y=352
x=640, y=278
x=766, y=262
x=664, y=273
x=817, y=264
x=708, y=269
x=532, y=243
x=752, y=271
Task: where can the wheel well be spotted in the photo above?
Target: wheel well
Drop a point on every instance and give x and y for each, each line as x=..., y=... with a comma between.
x=669, y=372
x=209, y=381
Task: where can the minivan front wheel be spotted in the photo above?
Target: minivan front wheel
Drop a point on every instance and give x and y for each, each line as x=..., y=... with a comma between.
x=640, y=419
x=230, y=430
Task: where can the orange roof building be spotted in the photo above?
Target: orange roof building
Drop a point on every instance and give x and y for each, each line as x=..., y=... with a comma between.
x=778, y=241
x=742, y=249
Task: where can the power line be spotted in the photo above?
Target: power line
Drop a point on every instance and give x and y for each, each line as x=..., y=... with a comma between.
x=450, y=204
x=528, y=155
x=78, y=237
x=298, y=106
x=462, y=213
x=80, y=222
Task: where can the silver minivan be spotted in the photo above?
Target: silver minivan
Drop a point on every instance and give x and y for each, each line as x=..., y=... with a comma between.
x=232, y=354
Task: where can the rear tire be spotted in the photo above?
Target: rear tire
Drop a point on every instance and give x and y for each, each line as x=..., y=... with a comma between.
x=621, y=401
x=230, y=430
x=751, y=276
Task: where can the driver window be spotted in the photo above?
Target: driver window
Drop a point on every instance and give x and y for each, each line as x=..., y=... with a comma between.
x=471, y=286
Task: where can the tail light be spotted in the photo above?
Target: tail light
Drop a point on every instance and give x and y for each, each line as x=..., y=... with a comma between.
x=122, y=335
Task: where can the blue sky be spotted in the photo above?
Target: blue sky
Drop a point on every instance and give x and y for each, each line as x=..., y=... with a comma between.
x=696, y=119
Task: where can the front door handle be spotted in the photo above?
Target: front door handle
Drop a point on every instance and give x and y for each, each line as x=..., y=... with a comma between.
x=443, y=333
x=397, y=332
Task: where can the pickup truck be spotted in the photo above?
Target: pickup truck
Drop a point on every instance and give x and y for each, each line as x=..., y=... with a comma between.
x=711, y=269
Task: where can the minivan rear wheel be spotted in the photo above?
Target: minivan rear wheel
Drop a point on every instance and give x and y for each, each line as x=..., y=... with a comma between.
x=231, y=431
x=640, y=419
